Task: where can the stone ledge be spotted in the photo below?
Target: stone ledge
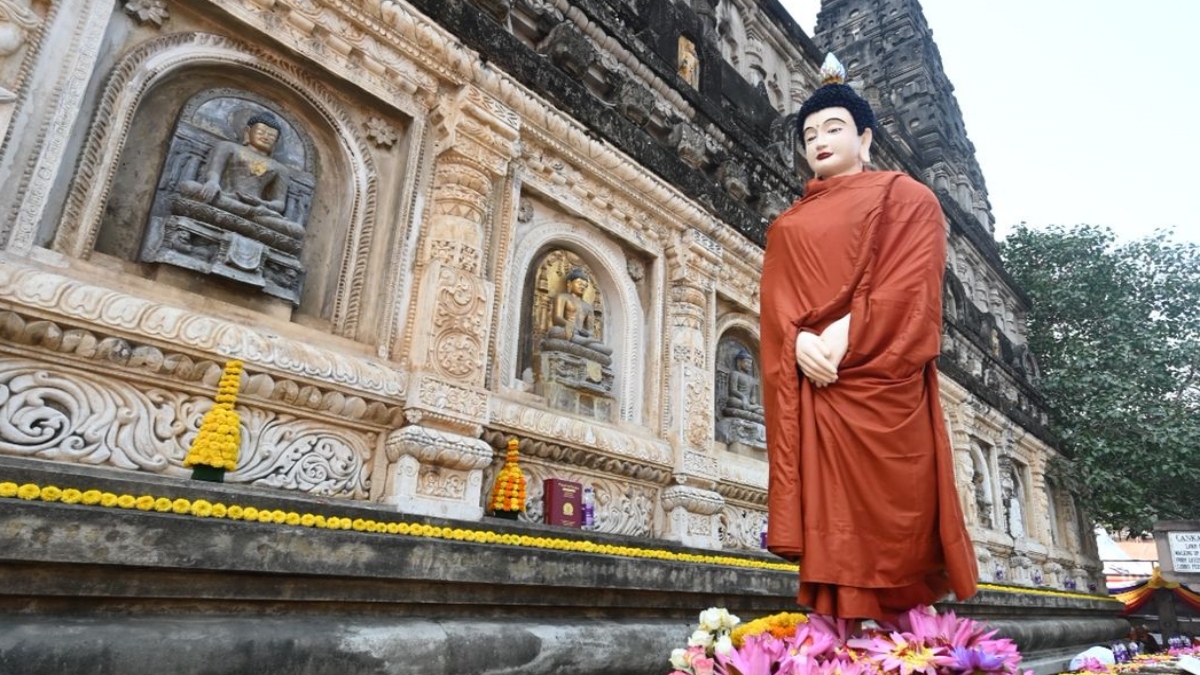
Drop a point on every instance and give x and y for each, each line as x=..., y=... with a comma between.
x=236, y=645
x=88, y=585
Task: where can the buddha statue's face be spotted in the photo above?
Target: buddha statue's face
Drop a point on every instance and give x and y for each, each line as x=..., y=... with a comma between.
x=262, y=137
x=743, y=364
x=578, y=286
x=832, y=145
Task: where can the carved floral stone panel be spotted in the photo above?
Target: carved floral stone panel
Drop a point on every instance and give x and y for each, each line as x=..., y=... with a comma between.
x=73, y=416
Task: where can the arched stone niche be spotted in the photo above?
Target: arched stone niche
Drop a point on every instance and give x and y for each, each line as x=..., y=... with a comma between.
x=541, y=232
x=1015, y=497
x=565, y=352
x=738, y=411
x=981, y=483
x=166, y=106
x=954, y=300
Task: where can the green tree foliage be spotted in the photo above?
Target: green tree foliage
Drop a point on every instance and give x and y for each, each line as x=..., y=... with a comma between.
x=1115, y=327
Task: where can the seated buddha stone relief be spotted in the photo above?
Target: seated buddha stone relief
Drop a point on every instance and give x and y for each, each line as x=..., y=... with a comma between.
x=739, y=409
x=567, y=355
x=234, y=196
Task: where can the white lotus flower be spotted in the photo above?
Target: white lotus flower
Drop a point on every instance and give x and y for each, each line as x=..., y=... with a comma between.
x=701, y=638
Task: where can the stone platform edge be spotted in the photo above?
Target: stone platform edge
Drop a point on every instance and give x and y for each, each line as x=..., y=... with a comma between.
x=153, y=576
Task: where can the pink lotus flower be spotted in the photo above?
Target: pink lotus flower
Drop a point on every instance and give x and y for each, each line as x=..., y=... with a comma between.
x=757, y=656
x=927, y=626
x=838, y=629
x=839, y=666
x=810, y=643
x=702, y=665
x=897, y=653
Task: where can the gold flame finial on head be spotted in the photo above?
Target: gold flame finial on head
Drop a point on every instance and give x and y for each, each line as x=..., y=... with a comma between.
x=832, y=71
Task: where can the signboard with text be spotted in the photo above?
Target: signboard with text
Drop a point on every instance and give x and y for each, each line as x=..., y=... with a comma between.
x=1185, y=551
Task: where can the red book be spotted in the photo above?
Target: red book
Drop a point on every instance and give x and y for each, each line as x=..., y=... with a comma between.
x=562, y=502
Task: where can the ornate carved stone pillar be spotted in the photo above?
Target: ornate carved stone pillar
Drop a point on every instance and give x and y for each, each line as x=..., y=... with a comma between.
x=692, y=504
x=438, y=460
x=51, y=80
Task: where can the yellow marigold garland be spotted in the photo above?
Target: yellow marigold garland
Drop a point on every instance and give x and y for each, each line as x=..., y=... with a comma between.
x=508, y=492
x=216, y=445
x=780, y=625
x=200, y=508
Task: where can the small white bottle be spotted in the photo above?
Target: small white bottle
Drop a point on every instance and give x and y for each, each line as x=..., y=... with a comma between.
x=589, y=508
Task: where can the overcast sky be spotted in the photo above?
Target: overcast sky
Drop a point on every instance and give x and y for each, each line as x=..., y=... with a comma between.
x=1081, y=111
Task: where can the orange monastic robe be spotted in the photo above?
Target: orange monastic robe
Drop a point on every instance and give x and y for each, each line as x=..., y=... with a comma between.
x=862, y=487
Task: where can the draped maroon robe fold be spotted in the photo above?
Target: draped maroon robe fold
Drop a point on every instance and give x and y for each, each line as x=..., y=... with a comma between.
x=862, y=488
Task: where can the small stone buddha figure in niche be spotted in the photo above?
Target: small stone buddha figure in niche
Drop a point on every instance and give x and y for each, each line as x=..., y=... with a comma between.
x=739, y=420
x=573, y=319
x=235, y=195
x=242, y=182
x=689, y=62
x=743, y=395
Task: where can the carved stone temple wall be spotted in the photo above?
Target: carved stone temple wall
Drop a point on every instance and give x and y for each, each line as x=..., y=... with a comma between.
x=427, y=227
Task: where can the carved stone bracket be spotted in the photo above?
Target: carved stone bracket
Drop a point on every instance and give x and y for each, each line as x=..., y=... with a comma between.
x=689, y=141
x=734, y=178
x=697, y=469
x=569, y=49
x=634, y=101
x=477, y=127
x=436, y=473
x=446, y=406
x=692, y=518
x=695, y=258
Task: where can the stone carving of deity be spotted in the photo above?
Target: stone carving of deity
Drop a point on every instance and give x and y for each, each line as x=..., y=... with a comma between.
x=689, y=62
x=743, y=387
x=242, y=183
x=1016, y=519
x=574, y=320
x=1011, y=493
x=16, y=24
x=983, y=505
x=571, y=363
x=738, y=397
x=240, y=211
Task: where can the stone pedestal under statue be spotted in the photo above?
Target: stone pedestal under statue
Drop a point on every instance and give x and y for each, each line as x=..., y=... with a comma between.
x=576, y=384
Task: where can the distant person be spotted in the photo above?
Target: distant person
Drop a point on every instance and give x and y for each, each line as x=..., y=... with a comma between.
x=1146, y=640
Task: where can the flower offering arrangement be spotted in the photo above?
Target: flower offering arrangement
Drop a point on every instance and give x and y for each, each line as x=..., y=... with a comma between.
x=508, y=492
x=215, y=448
x=919, y=642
